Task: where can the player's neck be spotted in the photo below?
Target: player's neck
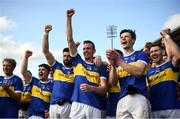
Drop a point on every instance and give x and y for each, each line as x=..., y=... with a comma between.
x=128, y=51
x=8, y=75
x=90, y=60
x=44, y=79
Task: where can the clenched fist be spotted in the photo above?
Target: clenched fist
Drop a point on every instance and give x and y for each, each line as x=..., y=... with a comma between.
x=28, y=53
x=48, y=28
x=70, y=12
x=165, y=31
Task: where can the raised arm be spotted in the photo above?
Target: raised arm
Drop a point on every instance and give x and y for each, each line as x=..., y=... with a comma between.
x=25, y=73
x=172, y=49
x=45, y=46
x=69, y=32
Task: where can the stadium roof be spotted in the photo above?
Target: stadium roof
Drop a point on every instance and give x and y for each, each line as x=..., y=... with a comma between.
x=175, y=35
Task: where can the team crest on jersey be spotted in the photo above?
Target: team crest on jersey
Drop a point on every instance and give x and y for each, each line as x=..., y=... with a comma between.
x=29, y=88
x=89, y=67
x=157, y=70
x=151, y=72
x=95, y=68
x=47, y=87
x=163, y=67
x=8, y=82
x=43, y=86
x=68, y=72
x=24, y=89
x=125, y=59
x=133, y=58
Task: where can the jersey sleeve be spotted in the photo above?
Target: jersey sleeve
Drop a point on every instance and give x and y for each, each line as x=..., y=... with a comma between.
x=143, y=57
x=18, y=87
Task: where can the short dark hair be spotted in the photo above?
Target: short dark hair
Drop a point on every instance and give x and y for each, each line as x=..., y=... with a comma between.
x=88, y=41
x=11, y=61
x=156, y=44
x=66, y=49
x=133, y=34
x=46, y=66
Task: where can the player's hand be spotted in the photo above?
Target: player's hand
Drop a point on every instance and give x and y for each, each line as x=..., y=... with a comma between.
x=98, y=61
x=165, y=32
x=112, y=56
x=85, y=87
x=46, y=113
x=5, y=86
x=77, y=44
x=70, y=12
x=48, y=28
x=28, y=53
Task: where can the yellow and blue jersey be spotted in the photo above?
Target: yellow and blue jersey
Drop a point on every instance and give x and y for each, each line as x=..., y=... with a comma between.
x=63, y=83
x=90, y=74
x=26, y=93
x=8, y=106
x=127, y=80
x=26, y=96
x=162, y=80
x=40, y=97
x=112, y=100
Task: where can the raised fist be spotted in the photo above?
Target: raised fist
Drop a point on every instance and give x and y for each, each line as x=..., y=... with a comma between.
x=165, y=31
x=48, y=28
x=70, y=12
x=28, y=53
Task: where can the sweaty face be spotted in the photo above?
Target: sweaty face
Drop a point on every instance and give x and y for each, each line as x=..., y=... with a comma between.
x=156, y=54
x=43, y=73
x=7, y=68
x=67, y=60
x=126, y=40
x=88, y=51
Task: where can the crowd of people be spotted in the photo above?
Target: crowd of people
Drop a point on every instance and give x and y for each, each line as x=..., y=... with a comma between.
x=132, y=84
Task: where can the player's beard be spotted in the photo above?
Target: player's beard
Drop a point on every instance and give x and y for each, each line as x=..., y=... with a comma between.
x=67, y=63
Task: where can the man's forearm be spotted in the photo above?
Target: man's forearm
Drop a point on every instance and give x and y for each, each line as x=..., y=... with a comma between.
x=173, y=48
x=16, y=96
x=113, y=76
x=134, y=70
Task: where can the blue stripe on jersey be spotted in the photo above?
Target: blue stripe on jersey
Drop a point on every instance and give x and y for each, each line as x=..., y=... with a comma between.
x=63, y=83
x=40, y=97
x=163, y=92
x=127, y=80
x=89, y=74
x=8, y=106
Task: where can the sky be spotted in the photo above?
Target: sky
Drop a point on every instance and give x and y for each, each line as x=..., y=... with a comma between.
x=22, y=25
